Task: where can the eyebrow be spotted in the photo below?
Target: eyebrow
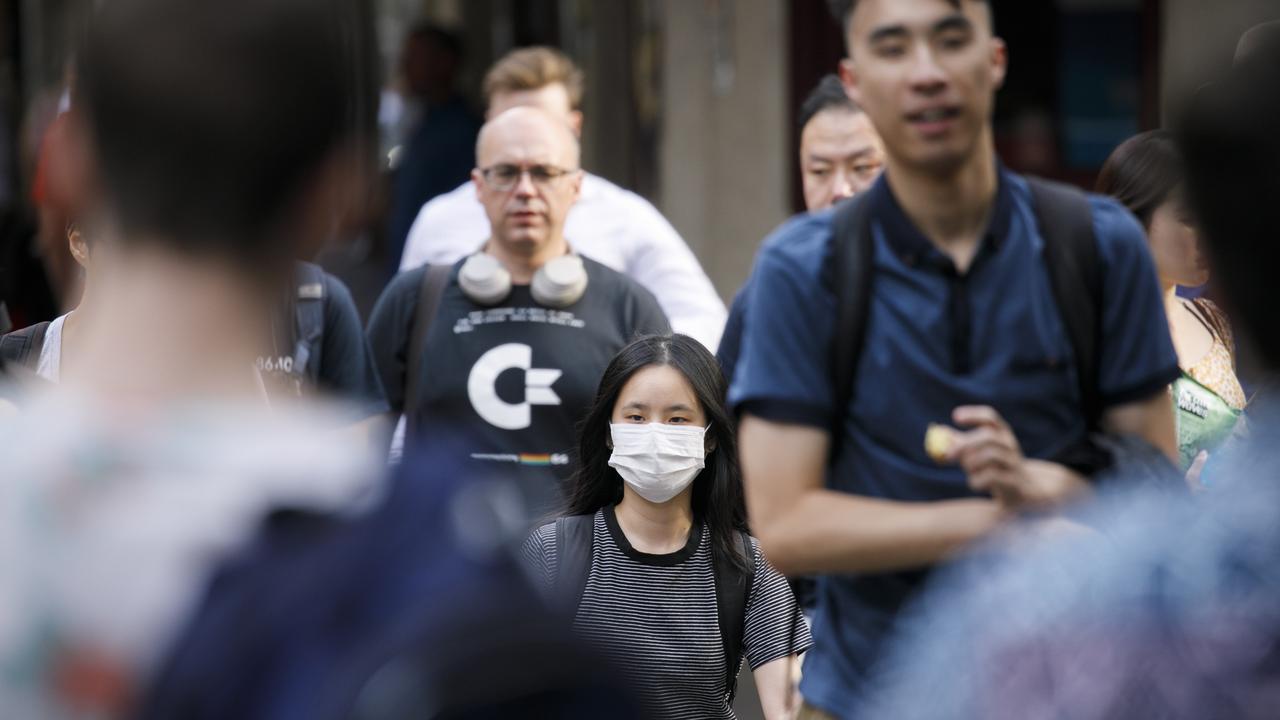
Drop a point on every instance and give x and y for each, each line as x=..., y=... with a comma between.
x=669, y=408
x=888, y=32
x=954, y=21
x=851, y=156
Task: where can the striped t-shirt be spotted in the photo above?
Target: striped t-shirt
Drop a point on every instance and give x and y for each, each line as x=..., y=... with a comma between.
x=655, y=617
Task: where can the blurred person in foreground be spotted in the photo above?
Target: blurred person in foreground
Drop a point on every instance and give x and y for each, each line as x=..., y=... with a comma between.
x=840, y=156
x=968, y=310
x=1171, y=611
x=608, y=224
x=210, y=145
x=1146, y=174
x=652, y=558
x=509, y=342
x=316, y=345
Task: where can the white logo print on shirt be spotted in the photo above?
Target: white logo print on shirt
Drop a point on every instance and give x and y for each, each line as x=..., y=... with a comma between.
x=483, y=392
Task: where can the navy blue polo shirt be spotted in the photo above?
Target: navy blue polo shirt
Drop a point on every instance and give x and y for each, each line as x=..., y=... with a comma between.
x=935, y=339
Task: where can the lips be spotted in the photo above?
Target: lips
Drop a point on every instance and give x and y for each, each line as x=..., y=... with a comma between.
x=935, y=120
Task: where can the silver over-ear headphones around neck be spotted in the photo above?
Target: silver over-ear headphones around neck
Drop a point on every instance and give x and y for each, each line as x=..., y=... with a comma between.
x=557, y=284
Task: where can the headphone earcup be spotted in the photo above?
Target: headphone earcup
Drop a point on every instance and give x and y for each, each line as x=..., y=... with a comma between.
x=483, y=280
x=560, y=283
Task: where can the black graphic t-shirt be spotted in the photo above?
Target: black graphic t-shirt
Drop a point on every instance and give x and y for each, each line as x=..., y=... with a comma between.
x=515, y=379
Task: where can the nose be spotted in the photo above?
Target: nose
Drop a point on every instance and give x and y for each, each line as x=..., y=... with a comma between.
x=842, y=185
x=524, y=185
x=926, y=75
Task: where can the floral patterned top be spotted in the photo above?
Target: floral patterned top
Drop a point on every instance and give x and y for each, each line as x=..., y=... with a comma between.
x=1217, y=369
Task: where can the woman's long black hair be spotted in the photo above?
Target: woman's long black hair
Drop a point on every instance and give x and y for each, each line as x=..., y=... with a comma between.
x=717, y=490
x=1142, y=172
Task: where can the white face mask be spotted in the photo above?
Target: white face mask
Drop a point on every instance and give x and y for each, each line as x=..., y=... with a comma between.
x=658, y=460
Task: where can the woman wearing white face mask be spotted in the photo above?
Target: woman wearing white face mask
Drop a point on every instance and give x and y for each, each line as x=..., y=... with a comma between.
x=652, y=557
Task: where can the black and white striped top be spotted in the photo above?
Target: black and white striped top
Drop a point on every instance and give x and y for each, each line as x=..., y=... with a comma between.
x=655, y=617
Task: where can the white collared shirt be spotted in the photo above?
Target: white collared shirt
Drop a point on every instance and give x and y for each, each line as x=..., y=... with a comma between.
x=608, y=224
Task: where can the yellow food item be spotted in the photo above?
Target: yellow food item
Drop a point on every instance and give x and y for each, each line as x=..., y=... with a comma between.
x=937, y=442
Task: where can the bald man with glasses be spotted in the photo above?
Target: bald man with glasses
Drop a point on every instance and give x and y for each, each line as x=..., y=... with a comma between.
x=509, y=343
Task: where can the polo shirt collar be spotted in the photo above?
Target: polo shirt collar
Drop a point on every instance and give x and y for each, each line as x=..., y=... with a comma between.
x=906, y=240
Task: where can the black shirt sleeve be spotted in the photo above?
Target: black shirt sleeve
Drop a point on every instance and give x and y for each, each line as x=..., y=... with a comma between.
x=390, y=325
x=346, y=362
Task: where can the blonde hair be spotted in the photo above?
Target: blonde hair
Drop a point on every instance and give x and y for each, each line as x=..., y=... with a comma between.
x=532, y=68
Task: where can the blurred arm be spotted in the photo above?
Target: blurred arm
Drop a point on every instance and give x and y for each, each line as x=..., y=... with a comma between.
x=805, y=528
x=778, y=698
x=1150, y=419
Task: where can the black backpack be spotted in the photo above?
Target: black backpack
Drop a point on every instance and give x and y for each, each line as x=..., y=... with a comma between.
x=307, y=306
x=733, y=584
x=1071, y=257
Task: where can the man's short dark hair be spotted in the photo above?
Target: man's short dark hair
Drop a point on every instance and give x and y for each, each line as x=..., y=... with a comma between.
x=207, y=119
x=829, y=94
x=842, y=10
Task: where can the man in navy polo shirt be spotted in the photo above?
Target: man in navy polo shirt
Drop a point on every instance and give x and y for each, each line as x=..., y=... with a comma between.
x=962, y=328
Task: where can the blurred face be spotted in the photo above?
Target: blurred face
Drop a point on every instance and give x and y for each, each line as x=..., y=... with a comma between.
x=658, y=394
x=926, y=72
x=1175, y=246
x=840, y=156
x=527, y=180
x=552, y=99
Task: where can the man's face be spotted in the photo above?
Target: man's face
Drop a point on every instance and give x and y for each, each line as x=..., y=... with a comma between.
x=840, y=156
x=552, y=99
x=527, y=179
x=926, y=71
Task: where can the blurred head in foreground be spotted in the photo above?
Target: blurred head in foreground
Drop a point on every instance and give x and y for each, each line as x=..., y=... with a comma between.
x=210, y=145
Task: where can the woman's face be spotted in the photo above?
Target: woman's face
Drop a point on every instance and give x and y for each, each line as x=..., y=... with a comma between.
x=1175, y=245
x=658, y=393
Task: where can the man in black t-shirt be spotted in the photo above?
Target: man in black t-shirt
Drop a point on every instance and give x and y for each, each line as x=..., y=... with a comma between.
x=522, y=330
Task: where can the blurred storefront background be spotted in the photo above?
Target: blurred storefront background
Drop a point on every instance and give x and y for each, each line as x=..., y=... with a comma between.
x=691, y=102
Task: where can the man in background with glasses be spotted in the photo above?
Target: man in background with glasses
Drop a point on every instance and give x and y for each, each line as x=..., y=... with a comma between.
x=508, y=344
x=608, y=224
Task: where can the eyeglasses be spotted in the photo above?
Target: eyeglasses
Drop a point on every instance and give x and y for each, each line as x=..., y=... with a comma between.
x=505, y=177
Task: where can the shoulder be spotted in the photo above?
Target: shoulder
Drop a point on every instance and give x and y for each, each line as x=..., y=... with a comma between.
x=406, y=283
x=790, y=267
x=614, y=282
x=799, y=245
x=543, y=539
x=1118, y=233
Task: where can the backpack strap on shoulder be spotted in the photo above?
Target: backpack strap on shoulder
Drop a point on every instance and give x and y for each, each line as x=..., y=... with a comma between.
x=435, y=278
x=1075, y=273
x=308, y=321
x=573, y=558
x=734, y=578
x=22, y=347
x=849, y=273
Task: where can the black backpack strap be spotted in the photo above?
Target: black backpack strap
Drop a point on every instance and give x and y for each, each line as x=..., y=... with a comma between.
x=734, y=578
x=435, y=278
x=849, y=274
x=573, y=558
x=1071, y=255
x=22, y=347
x=308, y=321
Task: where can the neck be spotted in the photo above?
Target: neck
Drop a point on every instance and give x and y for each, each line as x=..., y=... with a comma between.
x=951, y=208
x=169, y=327
x=523, y=264
x=655, y=528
